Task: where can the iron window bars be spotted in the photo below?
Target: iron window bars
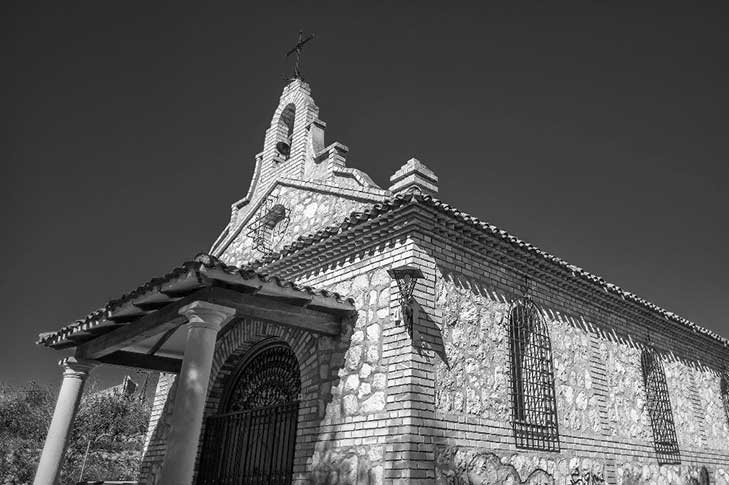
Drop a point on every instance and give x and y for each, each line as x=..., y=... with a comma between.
x=534, y=406
x=269, y=226
x=659, y=409
x=724, y=391
x=704, y=476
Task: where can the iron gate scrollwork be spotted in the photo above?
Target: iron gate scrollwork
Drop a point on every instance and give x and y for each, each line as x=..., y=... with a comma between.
x=659, y=409
x=269, y=377
x=252, y=440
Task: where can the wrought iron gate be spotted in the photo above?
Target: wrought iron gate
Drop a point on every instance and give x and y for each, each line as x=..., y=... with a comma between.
x=255, y=446
x=253, y=440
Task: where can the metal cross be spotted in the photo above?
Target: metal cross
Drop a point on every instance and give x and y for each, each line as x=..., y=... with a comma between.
x=297, y=49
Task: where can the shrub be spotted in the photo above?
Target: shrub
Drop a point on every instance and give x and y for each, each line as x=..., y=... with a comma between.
x=114, y=424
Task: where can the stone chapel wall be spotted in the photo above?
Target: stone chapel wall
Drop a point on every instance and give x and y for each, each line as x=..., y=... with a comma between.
x=605, y=430
x=358, y=431
x=309, y=211
x=350, y=446
x=604, y=426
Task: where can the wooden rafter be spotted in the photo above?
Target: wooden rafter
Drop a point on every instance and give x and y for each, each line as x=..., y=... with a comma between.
x=143, y=361
x=165, y=321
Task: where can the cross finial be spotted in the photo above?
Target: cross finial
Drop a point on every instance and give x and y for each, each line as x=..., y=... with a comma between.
x=298, y=73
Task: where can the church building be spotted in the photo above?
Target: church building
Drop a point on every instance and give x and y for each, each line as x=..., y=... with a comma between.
x=339, y=332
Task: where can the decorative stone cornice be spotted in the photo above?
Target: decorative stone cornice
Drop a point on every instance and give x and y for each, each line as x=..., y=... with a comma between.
x=201, y=314
x=74, y=368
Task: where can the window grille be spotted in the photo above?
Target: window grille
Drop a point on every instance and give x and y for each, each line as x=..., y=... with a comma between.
x=724, y=390
x=704, y=476
x=659, y=409
x=268, y=228
x=534, y=406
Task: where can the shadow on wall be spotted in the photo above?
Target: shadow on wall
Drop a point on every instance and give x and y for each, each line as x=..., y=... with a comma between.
x=152, y=460
x=333, y=463
x=460, y=465
x=427, y=336
x=611, y=327
x=357, y=402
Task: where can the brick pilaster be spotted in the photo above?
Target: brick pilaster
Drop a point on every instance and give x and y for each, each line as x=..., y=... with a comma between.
x=409, y=452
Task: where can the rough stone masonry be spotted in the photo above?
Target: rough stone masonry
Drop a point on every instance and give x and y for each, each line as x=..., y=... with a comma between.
x=439, y=405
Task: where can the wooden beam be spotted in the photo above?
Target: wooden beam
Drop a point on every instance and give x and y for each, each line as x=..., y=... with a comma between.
x=126, y=313
x=131, y=333
x=159, y=343
x=331, y=305
x=248, y=285
x=183, y=285
x=153, y=300
x=283, y=293
x=142, y=361
x=275, y=311
x=167, y=318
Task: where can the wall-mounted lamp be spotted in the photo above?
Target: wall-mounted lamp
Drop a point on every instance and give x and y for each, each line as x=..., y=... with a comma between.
x=406, y=277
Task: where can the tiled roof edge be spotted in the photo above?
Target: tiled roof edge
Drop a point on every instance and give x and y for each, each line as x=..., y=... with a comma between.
x=416, y=196
x=201, y=260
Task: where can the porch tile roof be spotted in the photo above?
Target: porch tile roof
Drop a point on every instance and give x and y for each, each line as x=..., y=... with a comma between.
x=417, y=197
x=203, y=271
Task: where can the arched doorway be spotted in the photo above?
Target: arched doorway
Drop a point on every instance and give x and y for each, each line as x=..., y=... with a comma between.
x=251, y=439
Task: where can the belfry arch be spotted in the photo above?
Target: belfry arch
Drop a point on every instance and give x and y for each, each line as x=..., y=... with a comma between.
x=285, y=130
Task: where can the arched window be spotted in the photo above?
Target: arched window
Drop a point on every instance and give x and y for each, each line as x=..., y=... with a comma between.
x=284, y=135
x=724, y=390
x=534, y=407
x=659, y=409
x=704, y=476
x=269, y=226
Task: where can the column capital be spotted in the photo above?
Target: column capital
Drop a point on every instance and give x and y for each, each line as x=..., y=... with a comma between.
x=206, y=315
x=76, y=368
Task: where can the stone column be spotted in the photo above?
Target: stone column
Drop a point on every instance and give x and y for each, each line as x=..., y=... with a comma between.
x=204, y=321
x=75, y=372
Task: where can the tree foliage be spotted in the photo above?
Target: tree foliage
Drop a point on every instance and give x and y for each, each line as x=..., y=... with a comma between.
x=114, y=424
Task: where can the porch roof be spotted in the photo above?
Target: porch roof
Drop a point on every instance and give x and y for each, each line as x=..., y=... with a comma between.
x=206, y=278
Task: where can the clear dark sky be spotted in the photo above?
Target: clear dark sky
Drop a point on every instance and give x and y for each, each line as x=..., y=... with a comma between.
x=598, y=134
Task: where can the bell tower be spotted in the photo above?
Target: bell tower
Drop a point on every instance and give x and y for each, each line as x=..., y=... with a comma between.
x=299, y=185
x=288, y=136
x=294, y=168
